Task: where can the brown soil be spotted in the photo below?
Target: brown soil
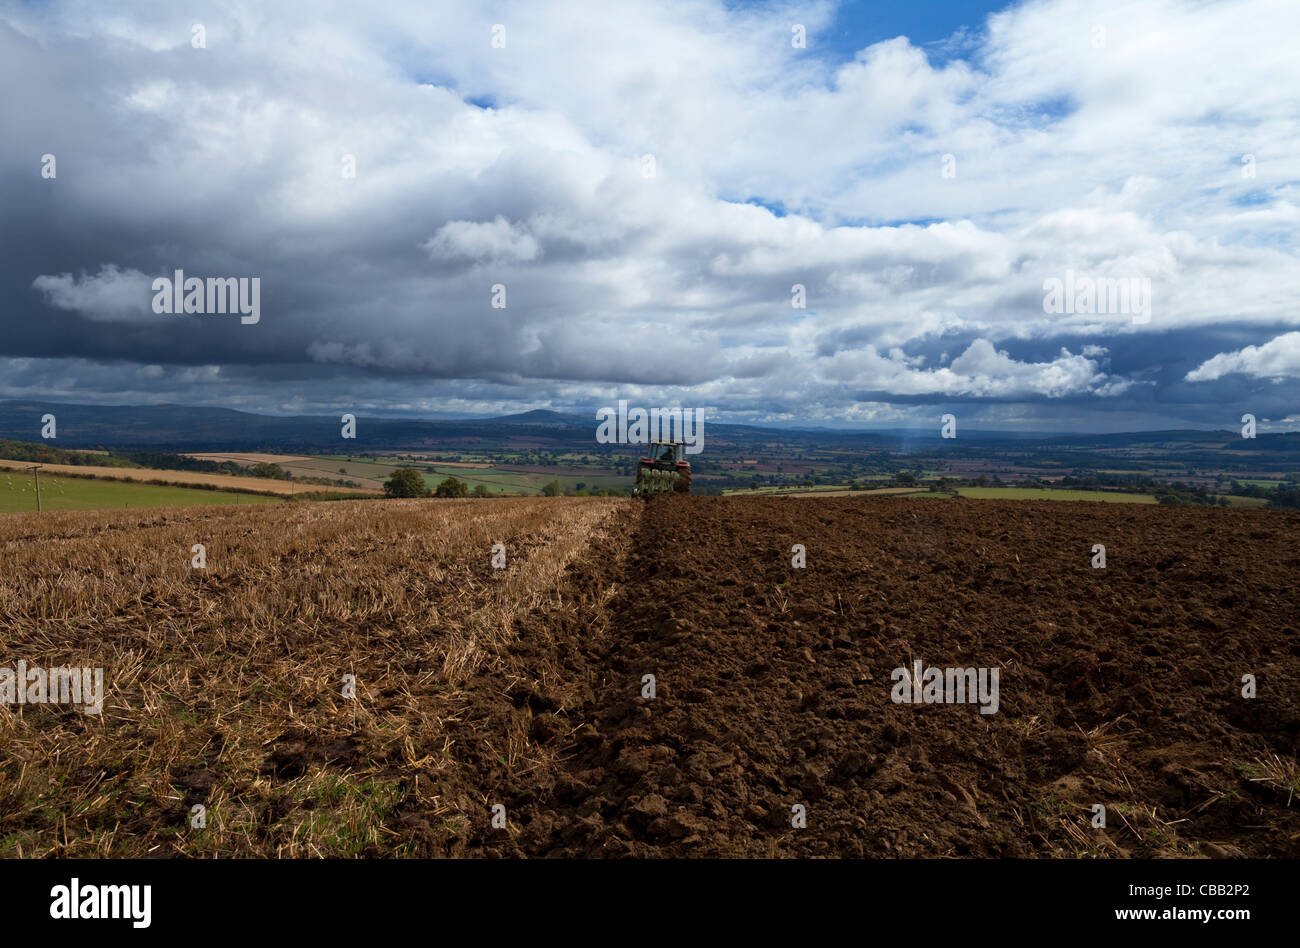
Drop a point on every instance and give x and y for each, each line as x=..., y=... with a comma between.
x=1119, y=686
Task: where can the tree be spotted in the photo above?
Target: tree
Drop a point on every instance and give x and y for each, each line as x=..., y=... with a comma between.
x=406, y=482
x=452, y=487
x=268, y=470
x=481, y=491
x=552, y=489
x=1285, y=497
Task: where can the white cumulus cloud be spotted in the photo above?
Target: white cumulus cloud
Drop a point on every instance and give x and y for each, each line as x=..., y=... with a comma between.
x=1277, y=359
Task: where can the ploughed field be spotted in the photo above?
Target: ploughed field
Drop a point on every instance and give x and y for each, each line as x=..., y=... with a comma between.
x=519, y=695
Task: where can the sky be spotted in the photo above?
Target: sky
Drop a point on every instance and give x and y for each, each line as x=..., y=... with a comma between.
x=843, y=214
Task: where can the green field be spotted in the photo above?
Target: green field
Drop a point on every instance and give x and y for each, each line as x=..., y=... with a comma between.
x=494, y=479
x=1043, y=493
x=1245, y=501
x=79, y=493
x=520, y=481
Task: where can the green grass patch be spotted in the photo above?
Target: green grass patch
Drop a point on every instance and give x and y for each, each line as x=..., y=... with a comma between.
x=17, y=493
x=1245, y=501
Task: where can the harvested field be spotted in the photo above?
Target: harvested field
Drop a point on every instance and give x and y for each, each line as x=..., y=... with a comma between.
x=266, y=485
x=251, y=458
x=523, y=687
x=367, y=475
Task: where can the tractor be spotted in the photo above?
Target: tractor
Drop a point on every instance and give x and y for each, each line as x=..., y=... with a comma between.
x=664, y=470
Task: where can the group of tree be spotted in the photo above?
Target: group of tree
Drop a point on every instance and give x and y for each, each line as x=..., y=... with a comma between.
x=408, y=482
x=452, y=487
x=1287, y=498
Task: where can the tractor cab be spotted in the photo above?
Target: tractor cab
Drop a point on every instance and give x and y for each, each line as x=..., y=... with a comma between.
x=665, y=452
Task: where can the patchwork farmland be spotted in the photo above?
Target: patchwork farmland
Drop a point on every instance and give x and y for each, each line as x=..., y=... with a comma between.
x=370, y=473
x=64, y=492
x=265, y=485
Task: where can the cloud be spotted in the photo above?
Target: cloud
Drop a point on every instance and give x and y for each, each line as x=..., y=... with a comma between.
x=495, y=241
x=1277, y=359
x=982, y=371
x=774, y=167
x=111, y=295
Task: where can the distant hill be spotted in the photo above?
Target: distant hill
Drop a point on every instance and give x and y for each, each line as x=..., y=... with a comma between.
x=542, y=416
x=181, y=428
x=187, y=428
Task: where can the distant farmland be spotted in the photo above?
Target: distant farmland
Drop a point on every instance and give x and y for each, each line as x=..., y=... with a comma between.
x=827, y=491
x=18, y=494
x=1037, y=493
x=978, y=493
x=181, y=478
x=506, y=479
